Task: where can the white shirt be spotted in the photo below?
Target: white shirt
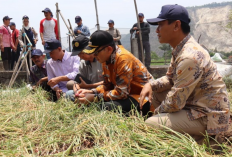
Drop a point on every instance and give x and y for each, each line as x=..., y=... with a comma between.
x=49, y=28
x=69, y=66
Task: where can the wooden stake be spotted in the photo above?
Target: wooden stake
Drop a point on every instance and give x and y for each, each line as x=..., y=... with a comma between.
x=58, y=20
x=140, y=35
x=98, y=26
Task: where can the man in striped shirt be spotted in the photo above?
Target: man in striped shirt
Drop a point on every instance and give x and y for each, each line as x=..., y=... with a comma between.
x=48, y=28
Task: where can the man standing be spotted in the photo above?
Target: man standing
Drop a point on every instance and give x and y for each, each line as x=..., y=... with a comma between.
x=145, y=30
x=114, y=32
x=80, y=28
x=124, y=75
x=48, y=28
x=15, y=53
x=61, y=68
x=192, y=97
x=6, y=43
x=38, y=72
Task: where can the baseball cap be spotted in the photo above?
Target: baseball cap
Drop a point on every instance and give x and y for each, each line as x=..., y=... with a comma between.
x=77, y=19
x=51, y=45
x=6, y=18
x=36, y=52
x=12, y=24
x=141, y=14
x=79, y=44
x=25, y=17
x=110, y=21
x=171, y=12
x=46, y=10
x=98, y=38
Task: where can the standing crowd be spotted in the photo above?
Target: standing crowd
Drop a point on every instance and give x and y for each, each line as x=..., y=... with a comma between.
x=191, y=98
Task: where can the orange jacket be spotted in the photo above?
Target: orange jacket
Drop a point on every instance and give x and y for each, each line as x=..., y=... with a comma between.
x=124, y=75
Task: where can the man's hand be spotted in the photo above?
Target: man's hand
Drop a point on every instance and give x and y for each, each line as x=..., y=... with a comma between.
x=58, y=93
x=43, y=42
x=83, y=84
x=83, y=92
x=135, y=28
x=40, y=82
x=78, y=31
x=35, y=41
x=85, y=100
x=137, y=32
x=146, y=92
x=2, y=48
x=53, y=81
x=115, y=39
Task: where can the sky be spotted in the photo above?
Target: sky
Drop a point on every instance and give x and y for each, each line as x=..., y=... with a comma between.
x=121, y=11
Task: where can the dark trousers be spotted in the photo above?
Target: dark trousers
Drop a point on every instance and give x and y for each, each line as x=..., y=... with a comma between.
x=147, y=49
x=126, y=106
x=14, y=58
x=52, y=93
x=6, y=58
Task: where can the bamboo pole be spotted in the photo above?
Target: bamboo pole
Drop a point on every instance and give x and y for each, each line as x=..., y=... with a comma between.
x=140, y=35
x=72, y=32
x=58, y=20
x=98, y=26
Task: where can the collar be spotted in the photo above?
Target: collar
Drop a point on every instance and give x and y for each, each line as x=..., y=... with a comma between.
x=65, y=57
x=179, y=47
x=111, y=28
x=89, y=63
x=113, y=55
x=42, y=67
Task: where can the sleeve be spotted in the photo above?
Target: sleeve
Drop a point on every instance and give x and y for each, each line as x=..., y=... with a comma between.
x=82, y=69
x=131, y=30
x=41, y=28
x=86, y=31
x=146, y=29
x=118, y=35
x=51, y=74
x=56, y=29
x=35, y=34
x=124, y=75
x=32, y=78
x=75, y=71
x=1, y=30
x=188, y=75
x=20, y=38
x=17, y=33
x=75, y=31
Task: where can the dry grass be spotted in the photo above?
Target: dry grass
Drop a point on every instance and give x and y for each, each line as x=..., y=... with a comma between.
x=33, y=126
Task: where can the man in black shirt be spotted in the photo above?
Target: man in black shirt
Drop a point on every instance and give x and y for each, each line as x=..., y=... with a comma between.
x=145, y=30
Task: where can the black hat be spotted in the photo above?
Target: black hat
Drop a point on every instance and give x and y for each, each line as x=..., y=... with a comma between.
x=79, y=43
x=47, y=10
x=36, y=52
x=51, y=45
x=141, y=14
x=6, y=18
x=77, y=19
x=12, y=24
x=98, y=38
x=110, y=21
x=171, y=12
x=25, y=17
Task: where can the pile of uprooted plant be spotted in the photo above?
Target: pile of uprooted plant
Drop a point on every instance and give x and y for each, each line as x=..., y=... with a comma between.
x=33, y=126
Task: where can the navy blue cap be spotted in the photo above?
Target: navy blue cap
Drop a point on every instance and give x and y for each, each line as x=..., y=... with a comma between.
x=46, y=10
x=110, y=21
x=6, y=18
x=51, y=45
x=141, y=14
x=77, y=19
x=12, y=24
x=79, y=43
x=36, y=52
x=171, y=12
x=25, y=17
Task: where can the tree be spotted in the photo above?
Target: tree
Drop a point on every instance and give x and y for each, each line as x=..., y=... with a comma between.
x=167, y=51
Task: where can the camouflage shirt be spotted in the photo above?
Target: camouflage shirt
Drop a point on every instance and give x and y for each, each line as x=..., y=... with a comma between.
x=36, y=73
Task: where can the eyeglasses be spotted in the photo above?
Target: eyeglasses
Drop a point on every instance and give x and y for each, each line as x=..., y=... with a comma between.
x=97, y=52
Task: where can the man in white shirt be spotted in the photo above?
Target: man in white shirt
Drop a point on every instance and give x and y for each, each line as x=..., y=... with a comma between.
x=48, y=28
x=61, y=68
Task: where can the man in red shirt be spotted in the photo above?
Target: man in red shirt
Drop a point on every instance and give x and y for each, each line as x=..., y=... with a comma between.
x=6, y=43
x=15, y=53
x=48, y=28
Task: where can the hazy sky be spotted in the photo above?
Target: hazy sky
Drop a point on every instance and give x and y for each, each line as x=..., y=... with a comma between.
x=121, y=11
